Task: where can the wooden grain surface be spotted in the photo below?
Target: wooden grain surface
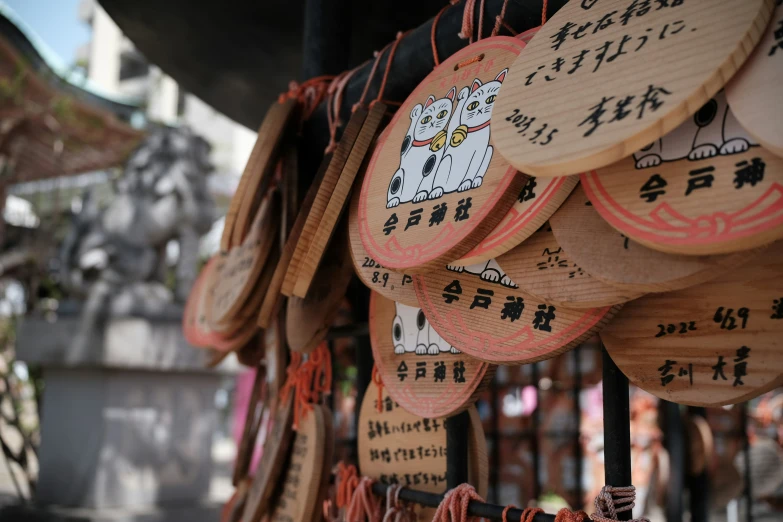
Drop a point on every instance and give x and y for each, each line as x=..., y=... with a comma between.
x=609, y=256
x=273, y=459
x=321, y=201
x=414, y=160
x=256, y=170
x=389, y=283
x=492, y=321
x=754, y=94
x=603, y=79
x=300, y=489
x=338, y=199
x=726, y=203
x=275, y=356
x=543, y=269
x=395, y=446
x=237, y=272
x=403, y=343
x=722, y=339
x=273, y=299
x=308, y=320
x=536, y=202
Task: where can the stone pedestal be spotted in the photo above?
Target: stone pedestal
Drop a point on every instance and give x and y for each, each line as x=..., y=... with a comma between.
x=126, y=421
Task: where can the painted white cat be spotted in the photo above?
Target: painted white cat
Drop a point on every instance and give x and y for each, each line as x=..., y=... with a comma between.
x=411, y=332
x=487, y=271
x=468, y=152
x=422, y=150
x=711, y=131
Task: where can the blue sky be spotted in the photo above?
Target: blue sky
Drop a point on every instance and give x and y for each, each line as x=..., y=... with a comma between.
x=56, y=22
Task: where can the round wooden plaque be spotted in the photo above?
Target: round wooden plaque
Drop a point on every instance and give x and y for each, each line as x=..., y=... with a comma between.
x=422, y=372
x=479, y=310
x=301, y=484
x=753, y=92
x=390, y=284
x=435, y=187
x=256, y=176
x=603, y=79
x=398, y=447
x=309, y=319
x=237, y=272
x=194, y=326
x=610, y=256
x=537, y=201
x=728, y=202
x=708, y=345
x=544, y=270
x=270, y=468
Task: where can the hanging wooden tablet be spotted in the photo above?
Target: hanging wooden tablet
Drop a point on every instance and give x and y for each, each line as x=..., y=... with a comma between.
x=708, y=345
x=422, y=372
x=603, y=79
x=700, y=190
x=336, y=163
x=253, y=417
x=753, y=93
x=544, y=270
x=536, y=202
x=398, y=447
x=435, y=187
x=338, y=199
x=273, y=299
x=238, y=271
x=300, y=487
x=193, y=320
x=390, y=284
x=244, y=204
x=273, y=459
x=611, y=257
x=308, y=320
x=482, y=312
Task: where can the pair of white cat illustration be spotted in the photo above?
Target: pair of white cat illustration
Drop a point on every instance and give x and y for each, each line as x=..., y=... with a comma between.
x=412, y=333
x=441, y=152
x=711, y=131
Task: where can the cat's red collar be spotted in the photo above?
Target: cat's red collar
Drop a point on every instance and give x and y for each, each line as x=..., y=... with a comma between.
x=479, y=127
x=423, y=143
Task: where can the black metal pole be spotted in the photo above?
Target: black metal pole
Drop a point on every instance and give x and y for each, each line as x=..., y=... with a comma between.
x=699, y=484
x=617, y=428
x=457, y=449
x=675, y=445
x=476, y=509
x=577, y=411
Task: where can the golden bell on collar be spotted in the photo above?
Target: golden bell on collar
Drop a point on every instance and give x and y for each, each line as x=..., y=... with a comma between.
x=459, y=135
x=438, y=141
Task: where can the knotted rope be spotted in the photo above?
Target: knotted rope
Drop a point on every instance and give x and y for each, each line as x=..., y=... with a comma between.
x=613, y=500
x=454, y=506
x=364, y=504
x=396, y=510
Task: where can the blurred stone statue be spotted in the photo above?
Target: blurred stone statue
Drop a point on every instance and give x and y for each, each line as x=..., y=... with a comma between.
x=116, y=256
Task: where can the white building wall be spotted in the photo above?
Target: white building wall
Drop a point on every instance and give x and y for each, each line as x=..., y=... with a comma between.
x=104, y=51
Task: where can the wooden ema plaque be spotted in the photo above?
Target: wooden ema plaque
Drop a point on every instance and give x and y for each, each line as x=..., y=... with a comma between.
x=435, y=186
x=338, y=199
x=273, y=458
x=708, y=345
x=544, y=270
x=720, y=193
x=398, y=447
x=611, y=257
x=537, y=200
x=422, y=372
x=244, y=204
x=194, y=327
x=390, y=284
x=238, y=271
x=333, y=165
x=605, y=78
x=308, y=320
x=479, y=310
x=753, y=92
x=301, y=485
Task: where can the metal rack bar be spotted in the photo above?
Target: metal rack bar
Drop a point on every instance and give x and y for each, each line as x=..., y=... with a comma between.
x=747, y=492
x=698, y=485
x=457, y=449
x=675, y=445
x=476, y=509
x=617, y=427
